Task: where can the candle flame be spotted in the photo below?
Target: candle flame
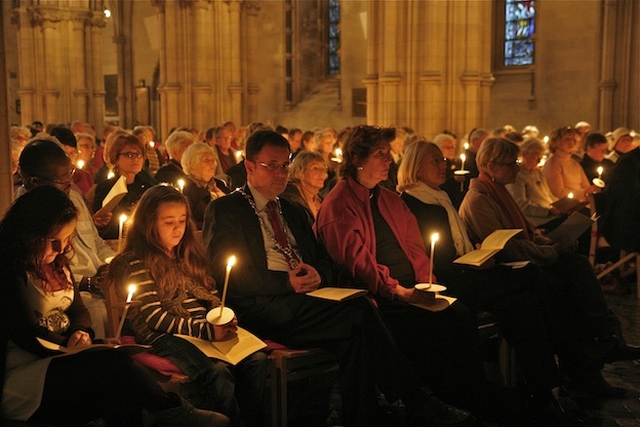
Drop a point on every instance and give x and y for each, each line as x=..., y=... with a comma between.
x=110, y=175
x=466, y=145
x=80, y=164
x=123, y=218
x=232, y=261
x=600, y=170
x=435, y=237
x=152, y=144
x=463, y=157
x=570, y=195
x=181, y=184
x=131, y=289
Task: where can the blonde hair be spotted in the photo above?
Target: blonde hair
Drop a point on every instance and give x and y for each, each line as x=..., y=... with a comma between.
x=412, y=159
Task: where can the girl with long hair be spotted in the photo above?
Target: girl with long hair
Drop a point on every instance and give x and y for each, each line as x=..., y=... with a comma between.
x=163, y=256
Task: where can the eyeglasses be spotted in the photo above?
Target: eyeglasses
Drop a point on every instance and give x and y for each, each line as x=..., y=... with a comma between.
x=272, y=167
x=66, y=179
x=132, y=155
x=512, y=164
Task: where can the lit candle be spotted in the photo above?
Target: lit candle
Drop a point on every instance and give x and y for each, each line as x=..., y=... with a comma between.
x=570, y=195
x=152, y=144
x=123, y=218
x=181, y=184
x=600, y=170
x=80, y=164
x=463, y=158
x=110, y=175
x=466, y=145
x=230, y=264
x=545, y=139
x=434, y=239
x=132, y=290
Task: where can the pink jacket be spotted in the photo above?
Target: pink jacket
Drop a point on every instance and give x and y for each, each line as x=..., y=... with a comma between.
x=345, y=226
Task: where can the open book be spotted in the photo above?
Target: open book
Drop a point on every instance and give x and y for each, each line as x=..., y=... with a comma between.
x=568, y=205
x=490, y=246
x=113, y=197
x=127, y=348
x=571, y=228
x=232, y=350
x=337, y=294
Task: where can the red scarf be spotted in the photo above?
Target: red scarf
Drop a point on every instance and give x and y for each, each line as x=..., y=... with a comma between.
x=508, y=205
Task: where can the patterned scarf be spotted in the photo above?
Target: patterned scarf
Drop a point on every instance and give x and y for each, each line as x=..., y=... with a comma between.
x=501, y=195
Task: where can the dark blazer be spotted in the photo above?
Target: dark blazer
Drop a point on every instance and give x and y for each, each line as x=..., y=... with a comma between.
x=618, y=204
x=231, y=227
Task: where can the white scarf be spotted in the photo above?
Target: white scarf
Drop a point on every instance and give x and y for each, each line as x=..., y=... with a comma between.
x=433, y=196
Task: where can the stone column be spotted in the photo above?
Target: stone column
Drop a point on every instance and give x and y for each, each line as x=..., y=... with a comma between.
x=235, y=86
x=77, y=66
x=96, y=80
x=26, y=64
x=201, y=63
x=607, y=83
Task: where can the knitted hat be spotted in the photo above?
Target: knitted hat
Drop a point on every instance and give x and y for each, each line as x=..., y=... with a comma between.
x=617, y=134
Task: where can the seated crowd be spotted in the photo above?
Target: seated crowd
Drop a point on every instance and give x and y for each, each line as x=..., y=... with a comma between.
x=303, y=210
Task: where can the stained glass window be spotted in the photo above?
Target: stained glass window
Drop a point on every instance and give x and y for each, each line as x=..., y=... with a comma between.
x=518, y=32
x=334, y=37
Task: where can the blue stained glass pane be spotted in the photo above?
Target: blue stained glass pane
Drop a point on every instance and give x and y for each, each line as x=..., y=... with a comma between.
x=334, y=37
x=519, y=30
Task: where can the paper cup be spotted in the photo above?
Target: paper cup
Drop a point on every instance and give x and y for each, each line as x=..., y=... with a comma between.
x=598, y=182
x=215, y=317
x=461, y=172
x=430, y=287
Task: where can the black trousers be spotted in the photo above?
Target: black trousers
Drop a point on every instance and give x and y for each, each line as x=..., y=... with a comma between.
x=355, y=331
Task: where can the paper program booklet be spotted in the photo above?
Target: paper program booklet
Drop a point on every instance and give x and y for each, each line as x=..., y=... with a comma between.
x=440, y=303
x=232, y=350
x=117, y=193
x=490, y=246
x=571, y=228
x=337, y=294
x=127, y=348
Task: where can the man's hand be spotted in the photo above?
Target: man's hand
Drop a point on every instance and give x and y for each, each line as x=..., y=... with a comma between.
x=79, y=338
x=102, y=220
x=304, y=278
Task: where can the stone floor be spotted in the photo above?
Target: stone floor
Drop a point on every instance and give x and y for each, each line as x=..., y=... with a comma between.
x=619, y=412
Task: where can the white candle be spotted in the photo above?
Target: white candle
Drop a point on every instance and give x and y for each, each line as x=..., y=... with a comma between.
x=132, y=290
x=181, y=184
x=123, y=218
x=230, y=264
x=463, y=158
x=434, y=239
x=600, y=170
x=80, y=164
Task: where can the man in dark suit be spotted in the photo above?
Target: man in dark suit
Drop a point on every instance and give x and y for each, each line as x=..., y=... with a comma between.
x=278, y=261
